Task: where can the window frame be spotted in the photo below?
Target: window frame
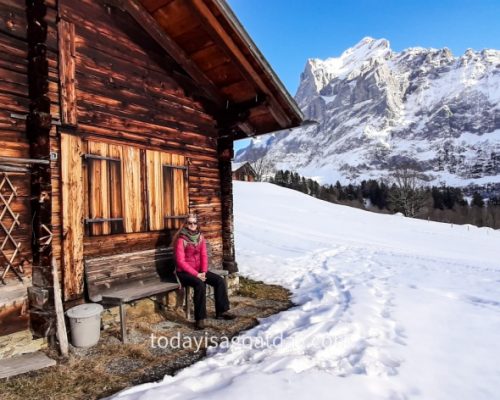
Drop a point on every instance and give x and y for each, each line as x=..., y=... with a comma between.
x=116, y=224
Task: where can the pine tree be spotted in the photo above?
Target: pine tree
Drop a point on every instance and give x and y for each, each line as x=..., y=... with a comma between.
x=477, y=200
x=437, y=197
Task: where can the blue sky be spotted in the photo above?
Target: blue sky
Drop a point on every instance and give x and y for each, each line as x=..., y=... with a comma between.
x=288, y=32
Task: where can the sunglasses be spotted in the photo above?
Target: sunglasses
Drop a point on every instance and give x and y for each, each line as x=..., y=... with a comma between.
x=191, y=223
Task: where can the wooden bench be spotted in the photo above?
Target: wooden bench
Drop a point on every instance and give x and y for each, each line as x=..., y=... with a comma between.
x=119, y=279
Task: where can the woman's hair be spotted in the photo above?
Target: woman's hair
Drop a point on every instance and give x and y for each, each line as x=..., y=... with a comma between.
x=176, y=235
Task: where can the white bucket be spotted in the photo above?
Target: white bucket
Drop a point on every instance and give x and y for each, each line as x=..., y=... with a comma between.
x=85, y=322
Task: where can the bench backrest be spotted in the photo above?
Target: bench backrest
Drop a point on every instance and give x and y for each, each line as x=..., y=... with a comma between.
x=103, y=274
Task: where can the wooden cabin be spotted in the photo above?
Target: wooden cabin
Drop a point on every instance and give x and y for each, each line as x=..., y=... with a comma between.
x=117, y=118
x=243, y=171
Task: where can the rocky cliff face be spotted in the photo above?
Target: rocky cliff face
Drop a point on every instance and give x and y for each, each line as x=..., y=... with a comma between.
x=377, y=109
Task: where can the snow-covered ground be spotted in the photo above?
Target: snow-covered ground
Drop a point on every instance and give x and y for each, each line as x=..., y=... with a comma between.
x=387, y=307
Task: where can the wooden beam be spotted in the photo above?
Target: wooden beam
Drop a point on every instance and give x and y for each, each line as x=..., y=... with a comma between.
x=153, y=5
x=17, y=365
x=16, y=160
x=235, y=118
x=61, y=324
x=246, y=128
x=226, y=153
x=67, y=71
x=223, y=40
x=38, y=125
x=72, y=215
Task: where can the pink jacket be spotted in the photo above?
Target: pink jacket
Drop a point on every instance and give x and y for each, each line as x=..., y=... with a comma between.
x=190, y=258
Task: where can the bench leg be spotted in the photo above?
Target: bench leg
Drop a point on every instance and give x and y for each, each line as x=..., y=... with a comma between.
x=187, y=301
x=123, y=320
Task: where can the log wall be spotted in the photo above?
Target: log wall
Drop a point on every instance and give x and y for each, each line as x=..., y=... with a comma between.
x=14, y=100
x=14, y=109
x=114, y=87
x=124, y=95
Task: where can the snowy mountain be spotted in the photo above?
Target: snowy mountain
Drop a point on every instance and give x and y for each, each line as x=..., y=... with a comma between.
x=387, y=307
x=377, y=108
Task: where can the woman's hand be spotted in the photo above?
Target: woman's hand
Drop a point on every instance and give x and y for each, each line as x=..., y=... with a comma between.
x=202, y=276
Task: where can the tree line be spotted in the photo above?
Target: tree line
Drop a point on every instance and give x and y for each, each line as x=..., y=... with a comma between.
x=404, y=192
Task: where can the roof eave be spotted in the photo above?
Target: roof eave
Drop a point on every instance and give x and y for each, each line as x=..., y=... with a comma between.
x=233, y=21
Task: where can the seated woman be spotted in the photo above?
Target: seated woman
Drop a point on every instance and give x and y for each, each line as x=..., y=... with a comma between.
x=190, y=251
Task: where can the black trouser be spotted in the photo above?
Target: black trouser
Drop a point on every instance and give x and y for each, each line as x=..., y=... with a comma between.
x=200, y=298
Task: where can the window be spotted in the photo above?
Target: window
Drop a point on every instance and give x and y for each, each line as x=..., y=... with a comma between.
x=132, y=190
x=104, y=195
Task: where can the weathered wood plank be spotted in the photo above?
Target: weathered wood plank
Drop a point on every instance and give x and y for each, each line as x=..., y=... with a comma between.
x=155, y=190
x=40, y=36
x=24, y=363
x=62, y=336
x=97, y=133
x=100, y=117
x=67, y=72
x=140, y=291
x=133, y=202
x=153, y=5
x=72, y=214
x=226, y=183
x=99, y=206
x=128, y=273
x=177, y=17
x=95, y=246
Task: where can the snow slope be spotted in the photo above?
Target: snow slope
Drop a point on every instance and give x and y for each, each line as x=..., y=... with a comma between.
x=387, y=307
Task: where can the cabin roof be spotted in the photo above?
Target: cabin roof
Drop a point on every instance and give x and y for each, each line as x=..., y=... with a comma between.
x=206, y=39
x=235, y=166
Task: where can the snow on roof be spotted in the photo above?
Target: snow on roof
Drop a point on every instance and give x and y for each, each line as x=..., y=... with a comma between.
x=237, y=165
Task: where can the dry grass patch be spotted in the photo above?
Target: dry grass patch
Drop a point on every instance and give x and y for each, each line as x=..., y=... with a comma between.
x=260, y=290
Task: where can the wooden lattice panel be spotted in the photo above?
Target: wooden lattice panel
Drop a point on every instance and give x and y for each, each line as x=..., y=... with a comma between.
x=9, y=221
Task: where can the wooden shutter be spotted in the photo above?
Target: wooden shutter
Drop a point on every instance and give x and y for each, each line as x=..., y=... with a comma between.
x=155, y=188
x=167, y=189
x=98, y=197
x=104, y=188
x=133, y=202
